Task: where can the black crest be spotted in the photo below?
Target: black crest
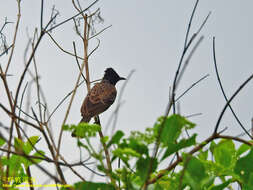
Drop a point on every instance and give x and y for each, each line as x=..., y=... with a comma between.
x=112, y=76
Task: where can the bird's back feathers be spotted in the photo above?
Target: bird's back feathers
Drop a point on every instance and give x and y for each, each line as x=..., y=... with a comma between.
x=99, y=99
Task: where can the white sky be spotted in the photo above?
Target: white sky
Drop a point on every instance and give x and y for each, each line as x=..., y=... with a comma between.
x=147, y=36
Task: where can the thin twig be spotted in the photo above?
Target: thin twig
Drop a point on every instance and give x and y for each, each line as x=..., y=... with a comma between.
x=187, y=61
x=51, y=149
x=77, y=29
x=28, y=171
x=57, y=44
x=63, y=22
x=186, y=47
x=52, y=19
x=30, y=158
x=85, y=45
x=190, y=22
x=100, y=32
x=193, y=115
x=39, y=101
x=74, y=46
x=61, y=102
x=15, y=36
x=38, y=128
x=187, y=44
x=6, y=50
x=94, y=48
x=108, y=160
x=74, y=171
x=21, y=101
x=119, y=100
x=19, y=118
x=230, y=100
x=195, y=83
x=68, y=109
x=41, y=15
x=223, y=92
x=37, y=84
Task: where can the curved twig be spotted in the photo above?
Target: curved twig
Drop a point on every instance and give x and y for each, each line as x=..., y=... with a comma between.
x=223, y=92
x=230, y=100
x=57, y=44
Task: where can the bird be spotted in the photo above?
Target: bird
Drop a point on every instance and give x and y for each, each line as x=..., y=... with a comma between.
x=101, y=96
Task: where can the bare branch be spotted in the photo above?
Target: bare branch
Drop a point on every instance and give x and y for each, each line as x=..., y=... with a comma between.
x=190, y=22
x=100, y=32
x=186, y=63
x=94, y=48
x=194, y=84
x=223, y=92
x=63, y=22
x=41, y=15
x=74, y=45
x=58, y=45
x=15, y=36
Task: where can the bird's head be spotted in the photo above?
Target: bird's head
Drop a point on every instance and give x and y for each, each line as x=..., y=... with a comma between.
x=112, y=76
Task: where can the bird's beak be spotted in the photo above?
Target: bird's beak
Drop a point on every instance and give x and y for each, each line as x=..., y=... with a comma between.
x=122, y=78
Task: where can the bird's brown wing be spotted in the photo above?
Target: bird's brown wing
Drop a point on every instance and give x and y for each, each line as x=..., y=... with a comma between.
x=99, y=99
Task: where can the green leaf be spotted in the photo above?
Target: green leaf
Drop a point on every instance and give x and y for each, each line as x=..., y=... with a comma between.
x=28, y=146
x=93, y=186
x=195, y=173
x=138, y=146
x=18, y=144
x=104, y=139
x=174, y=147
x=203, y=155
x=244, y=167
x=224, y=153
x=148, y=137
x=2, y=142
x=115, y=138
x=243, y=148
x=212, y=146
x=14, y=164
x=80, y=144
x=250, y=182
x=65, y=127
x=143, y=165
x=158, y=187
x=125, y=153
x=171, y=128
x=125, y=176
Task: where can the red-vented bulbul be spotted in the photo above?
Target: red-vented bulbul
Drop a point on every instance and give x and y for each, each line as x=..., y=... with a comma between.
x=101, y=96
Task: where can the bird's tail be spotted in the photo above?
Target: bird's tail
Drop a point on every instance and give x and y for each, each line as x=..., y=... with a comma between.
x=85, y=119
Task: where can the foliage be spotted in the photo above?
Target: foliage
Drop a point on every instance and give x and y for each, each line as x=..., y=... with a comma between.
x=19, y=162
x=216, y=167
